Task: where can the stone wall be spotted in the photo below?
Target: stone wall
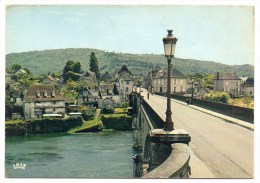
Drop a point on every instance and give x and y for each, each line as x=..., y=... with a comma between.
x=160, y=157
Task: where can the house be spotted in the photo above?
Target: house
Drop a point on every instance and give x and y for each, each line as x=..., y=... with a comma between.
x=89, y=74
x=247, y=87
x=109, y=91
x=7, y=78
x=227, y=82
x=17, y=97
x=178, y=81
x=42, y=99
x=20, y=72
x=106, y=77
x=125, y=83
x=49, y=80
x=87, y=97
x=107, y=103
x=198, y=92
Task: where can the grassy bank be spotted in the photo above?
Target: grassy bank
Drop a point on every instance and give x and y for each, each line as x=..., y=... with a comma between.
x=117, y=121
x=91, y=125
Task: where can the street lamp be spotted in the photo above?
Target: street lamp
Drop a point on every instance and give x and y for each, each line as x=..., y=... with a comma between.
x=169, y=43
x=192, y=82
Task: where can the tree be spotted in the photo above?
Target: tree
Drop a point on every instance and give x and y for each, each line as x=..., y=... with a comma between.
x=16, y=67
x=70, y=69
x=94, y=65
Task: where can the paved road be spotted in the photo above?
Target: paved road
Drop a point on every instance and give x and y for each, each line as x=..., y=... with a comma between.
x=226, y=149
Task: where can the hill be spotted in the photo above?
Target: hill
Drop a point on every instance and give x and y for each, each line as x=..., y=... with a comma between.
x=42, y=62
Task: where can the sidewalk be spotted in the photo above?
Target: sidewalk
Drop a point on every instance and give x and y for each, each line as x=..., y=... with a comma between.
x=229, y=119
x=221, y=116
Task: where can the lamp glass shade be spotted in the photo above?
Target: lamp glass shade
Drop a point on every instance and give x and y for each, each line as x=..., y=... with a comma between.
x=169, y=49
x=169, y=43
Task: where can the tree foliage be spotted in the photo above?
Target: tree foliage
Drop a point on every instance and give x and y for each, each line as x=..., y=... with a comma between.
x=16, y=67
x=94, y=64
x=70, y=70
x=216, y=96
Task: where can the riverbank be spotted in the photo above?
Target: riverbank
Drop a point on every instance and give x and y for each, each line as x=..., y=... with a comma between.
x=116, y=121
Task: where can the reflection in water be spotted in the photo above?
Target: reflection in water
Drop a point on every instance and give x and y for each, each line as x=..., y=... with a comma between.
x=105, y=154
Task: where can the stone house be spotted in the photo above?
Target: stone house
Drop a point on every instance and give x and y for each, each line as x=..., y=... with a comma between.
x=88, y=98
x=42, y=99
x=227, y=82
x=178, y=82
x=247, y=87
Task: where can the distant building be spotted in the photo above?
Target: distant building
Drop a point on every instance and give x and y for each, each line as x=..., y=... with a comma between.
x=88, y=98
x=228, y=82
x=17, y=97
x=247, y=87
x=7, y=78
x=49, y=80
x=20, y=72
x=124, y=82
x=198, y=92
x=106, y=77
x=42, y=99
x=178, y=82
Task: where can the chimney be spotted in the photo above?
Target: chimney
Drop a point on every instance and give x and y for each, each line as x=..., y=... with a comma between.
x=217, y=75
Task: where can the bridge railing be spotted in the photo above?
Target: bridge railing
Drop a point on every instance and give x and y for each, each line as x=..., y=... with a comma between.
x=162, y=157
x=175, y=166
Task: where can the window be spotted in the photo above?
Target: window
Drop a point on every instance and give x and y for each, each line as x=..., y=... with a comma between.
x=174, y=89
x=226, y=83
x=54, y=102
x=175, y=81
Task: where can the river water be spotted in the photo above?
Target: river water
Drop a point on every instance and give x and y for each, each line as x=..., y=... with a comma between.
x=107, y=154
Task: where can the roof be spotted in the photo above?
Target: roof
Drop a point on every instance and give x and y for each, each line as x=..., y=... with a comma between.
x=123, y=69
x=20, y=71
x=41, y=88
x=105, y=76
x=174, y=73
x=51, y=78
x=228, y=75
x=248, y=83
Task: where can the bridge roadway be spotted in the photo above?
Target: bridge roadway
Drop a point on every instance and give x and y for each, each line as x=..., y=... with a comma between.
x=226, y=149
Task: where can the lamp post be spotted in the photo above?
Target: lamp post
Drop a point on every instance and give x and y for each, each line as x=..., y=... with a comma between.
x=169, y=47
x=192, y=82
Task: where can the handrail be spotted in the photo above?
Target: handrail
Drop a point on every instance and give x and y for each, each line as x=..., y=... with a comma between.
x=175, y=166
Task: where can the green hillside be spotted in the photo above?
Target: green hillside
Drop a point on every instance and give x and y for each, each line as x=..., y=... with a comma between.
x=42, y=62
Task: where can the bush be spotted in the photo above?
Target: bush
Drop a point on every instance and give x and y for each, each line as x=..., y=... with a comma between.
x=45, y=125
x=117, y=122
x=215, y=96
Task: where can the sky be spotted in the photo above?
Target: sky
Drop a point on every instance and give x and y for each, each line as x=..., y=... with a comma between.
x=223, y=34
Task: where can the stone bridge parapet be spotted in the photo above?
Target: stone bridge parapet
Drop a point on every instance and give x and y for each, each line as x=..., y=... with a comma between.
x=164, y=154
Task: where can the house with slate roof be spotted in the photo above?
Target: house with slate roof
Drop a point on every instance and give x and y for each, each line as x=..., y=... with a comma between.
x=247, y=87
x=88, y=97
x=178, y=81
x=227, y=82
x=42, y=99
x=124, y=82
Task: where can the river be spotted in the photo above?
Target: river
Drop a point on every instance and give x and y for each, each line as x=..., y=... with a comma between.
x=107, y=154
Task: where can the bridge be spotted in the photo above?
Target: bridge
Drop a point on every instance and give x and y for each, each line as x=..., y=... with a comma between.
x=206, y=144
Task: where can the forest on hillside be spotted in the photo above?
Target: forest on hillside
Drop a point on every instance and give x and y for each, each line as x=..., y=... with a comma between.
x=42, y=62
